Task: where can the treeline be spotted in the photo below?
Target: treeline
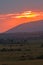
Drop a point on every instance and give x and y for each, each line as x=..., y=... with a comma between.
x=18, y=40
x=12, y=41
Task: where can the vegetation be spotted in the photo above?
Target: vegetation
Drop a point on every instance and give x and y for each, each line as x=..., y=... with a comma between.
x=20, y=51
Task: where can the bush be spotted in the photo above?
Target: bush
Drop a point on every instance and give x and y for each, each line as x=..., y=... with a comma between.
x=4, y=64
x=40, y=57
x=22, y=58
x=26, y=57
x=3, y=50
x=41, y=45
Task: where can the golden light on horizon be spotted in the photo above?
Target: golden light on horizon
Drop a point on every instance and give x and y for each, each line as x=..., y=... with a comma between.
x=27, y=14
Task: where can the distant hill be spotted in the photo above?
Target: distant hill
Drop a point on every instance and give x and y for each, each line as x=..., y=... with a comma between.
x=27, y=30
x=30, y=30
x=35, y=26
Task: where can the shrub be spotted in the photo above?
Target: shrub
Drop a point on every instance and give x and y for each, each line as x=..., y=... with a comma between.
x=4, y=64
x=40, y=57
x=3, y=50
x=41, y=45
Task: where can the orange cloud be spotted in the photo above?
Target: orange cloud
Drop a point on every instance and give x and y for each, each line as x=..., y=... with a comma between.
x=7, y=21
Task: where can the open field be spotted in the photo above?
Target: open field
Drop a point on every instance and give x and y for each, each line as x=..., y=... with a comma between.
x=21, y=49
x=27, y=53
x=29, y=62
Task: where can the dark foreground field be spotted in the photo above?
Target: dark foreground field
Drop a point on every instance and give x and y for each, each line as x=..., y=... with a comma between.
x=24, y=53
x=29, y=62
x=21, y=49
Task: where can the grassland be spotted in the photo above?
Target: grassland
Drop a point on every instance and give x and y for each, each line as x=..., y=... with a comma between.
x=29, y=62
x=23, y=53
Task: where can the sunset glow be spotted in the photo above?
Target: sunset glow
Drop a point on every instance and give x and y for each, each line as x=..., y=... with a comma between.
x=8, y=21
x=27, y=14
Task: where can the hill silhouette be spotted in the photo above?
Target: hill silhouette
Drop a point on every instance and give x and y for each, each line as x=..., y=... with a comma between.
x=27, y=31
x=34, y=26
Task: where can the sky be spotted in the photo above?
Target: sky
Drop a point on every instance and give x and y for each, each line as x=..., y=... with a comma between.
x=10, y=6
x=16, y=12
